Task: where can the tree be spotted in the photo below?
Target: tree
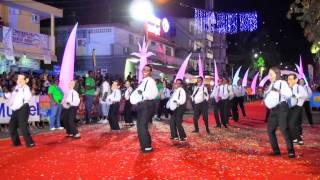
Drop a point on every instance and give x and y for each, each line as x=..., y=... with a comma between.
x=307, y=12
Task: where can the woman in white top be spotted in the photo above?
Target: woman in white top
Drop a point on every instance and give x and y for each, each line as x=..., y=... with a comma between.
x=18, y=103
x=114, y=100
x=70, y=111
x=128, y=106
x=276, y=100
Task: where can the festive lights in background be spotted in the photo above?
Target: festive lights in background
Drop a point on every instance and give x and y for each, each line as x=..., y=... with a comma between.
x=248, y=21
x=221, y=22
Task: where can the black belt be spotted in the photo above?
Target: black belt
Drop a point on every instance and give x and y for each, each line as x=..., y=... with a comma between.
x=278, y=105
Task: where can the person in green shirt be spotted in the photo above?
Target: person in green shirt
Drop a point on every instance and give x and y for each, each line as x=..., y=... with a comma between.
x=90, y=89
x=56, y=95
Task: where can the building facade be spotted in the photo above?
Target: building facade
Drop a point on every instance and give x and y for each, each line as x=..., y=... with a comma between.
x=111, y=46
x=21, y=43
x=210, y=46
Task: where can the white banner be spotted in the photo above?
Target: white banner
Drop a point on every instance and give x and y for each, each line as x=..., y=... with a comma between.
x=7, y=42
x=6, y=112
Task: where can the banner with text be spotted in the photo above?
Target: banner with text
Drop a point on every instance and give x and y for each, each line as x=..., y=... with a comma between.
x=6, y=112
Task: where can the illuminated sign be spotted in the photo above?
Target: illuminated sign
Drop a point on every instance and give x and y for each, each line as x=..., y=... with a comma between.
x=155, y=25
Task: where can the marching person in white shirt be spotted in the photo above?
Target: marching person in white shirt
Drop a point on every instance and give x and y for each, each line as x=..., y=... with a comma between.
x=104, y=106
x=224, y=102
x=306, y=104
x=177, y=105
x=216, y=103
x=200, y=99
x=70, y=107
x=144, y=96
x=239, y=92
x=114, y=101
x=276, y=100
x=128, y=106
x=296, y=104
x=18, y=103
x=231, y=102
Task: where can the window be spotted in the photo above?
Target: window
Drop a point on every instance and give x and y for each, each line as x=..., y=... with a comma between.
x=14, y=11
x=35, y=19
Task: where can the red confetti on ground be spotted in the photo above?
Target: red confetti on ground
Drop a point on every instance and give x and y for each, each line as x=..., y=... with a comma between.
x=239, y=152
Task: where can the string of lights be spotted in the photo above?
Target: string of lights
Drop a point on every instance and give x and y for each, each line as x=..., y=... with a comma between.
x=222, y=22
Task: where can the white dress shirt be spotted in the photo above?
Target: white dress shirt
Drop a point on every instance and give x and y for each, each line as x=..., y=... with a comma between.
x=230, y=91
x=127, y=93
x=19, y=97
x=149, y=88
x=165, y=94
x=239, y=91
x=114, y=97
x=273, y=98
x=73, y=98
x=105, y=89
x=309, y=91
x=179, y=95
x=224, y=91
x=299, y=95
x=215, y=93
x=200, y=94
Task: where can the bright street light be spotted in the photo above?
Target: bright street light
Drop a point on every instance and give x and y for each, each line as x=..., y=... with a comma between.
x=141, y=9
x=256, y=55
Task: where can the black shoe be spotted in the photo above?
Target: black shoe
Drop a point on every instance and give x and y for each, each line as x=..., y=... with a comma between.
x=16, y=145
x=225, y=126
x=208, y=131
x=218, y=126
x=195, y=131
x=30, y=145
x=274, y=154
x=291, y=155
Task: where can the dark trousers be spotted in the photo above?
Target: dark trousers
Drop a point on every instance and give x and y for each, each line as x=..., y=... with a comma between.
x=128, y=112
x=113, y=116
x=176, y=123
x=69, y=120
x=295, y=122
x=240, y=101
x=201, y=109
x=306, y=106
x=224, y=111
x=216, y=109
x=278, y=117
x=89, y=104
x=267, y=115
x=19, y=119
x=234, y=104
x=162, y=108
x=144, y=113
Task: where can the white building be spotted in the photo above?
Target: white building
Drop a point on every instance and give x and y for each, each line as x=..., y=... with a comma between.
x=20, y=37
x=113, y=45
x=210, y=46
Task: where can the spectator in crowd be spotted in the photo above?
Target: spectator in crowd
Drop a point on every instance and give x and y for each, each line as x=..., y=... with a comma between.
x=56, y=95
x=89, y=92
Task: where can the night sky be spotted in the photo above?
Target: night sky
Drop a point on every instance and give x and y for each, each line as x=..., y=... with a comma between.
x=286, y=34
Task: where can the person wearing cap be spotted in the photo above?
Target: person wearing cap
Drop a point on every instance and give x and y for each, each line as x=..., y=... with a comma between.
x=19, y=104
x=70, y=107
x=56, y=95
